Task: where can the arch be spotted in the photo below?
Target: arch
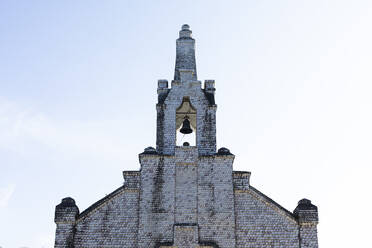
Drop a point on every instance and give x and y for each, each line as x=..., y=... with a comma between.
x=186, y=110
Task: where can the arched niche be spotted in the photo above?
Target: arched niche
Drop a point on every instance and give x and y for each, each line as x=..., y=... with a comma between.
x=186, y=110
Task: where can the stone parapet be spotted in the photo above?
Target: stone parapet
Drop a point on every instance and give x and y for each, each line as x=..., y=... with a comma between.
x=132, y=179
x=241, y=180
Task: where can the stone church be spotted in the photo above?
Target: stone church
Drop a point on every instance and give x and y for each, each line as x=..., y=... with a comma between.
x=186, y=195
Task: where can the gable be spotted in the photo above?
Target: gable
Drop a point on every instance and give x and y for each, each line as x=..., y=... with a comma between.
x=112, y=220
x=261, y=222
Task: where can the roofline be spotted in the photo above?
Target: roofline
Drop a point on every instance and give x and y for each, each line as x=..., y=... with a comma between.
x=268, y=199
x=100, y=202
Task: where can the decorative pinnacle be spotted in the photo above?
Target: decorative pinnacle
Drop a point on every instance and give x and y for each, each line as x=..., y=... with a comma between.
x=185, y=31
x=185, y=27
x=185, y=55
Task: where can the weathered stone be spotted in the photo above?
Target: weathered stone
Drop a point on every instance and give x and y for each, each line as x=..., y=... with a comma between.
x=186, y=196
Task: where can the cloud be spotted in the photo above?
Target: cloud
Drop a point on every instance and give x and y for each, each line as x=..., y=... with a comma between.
x=24, y=130
x=5, y=194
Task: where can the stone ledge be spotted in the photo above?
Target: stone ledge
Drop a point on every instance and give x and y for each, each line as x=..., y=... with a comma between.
x=241, y=174
x=186, y=164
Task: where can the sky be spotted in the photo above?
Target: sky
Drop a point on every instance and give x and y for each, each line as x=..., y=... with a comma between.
x=78, y=84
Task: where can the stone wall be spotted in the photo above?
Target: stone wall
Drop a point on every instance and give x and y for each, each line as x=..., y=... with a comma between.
x=216, y=218
x=186, y=194
x=262, y=223
x=186, y=189
x=112, y=224
x=156, y=212
x=174, y=198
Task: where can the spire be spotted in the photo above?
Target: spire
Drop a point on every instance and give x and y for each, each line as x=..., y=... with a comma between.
x=185, y=55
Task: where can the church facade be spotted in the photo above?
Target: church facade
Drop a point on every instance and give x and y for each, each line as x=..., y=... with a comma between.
x=186, y=195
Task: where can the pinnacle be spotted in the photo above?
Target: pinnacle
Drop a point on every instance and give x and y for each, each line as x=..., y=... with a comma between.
x=185, y=31
x=185, y=27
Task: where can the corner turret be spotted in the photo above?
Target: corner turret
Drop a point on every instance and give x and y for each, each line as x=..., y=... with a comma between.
x=66, y=211
x=65, y=217
x=307, y=217
x=306, y=212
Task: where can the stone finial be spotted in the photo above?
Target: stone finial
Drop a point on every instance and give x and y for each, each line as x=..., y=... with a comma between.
x=66, y=211
x=224, y=151
x=185, y=31
x=149, y=150
x=306, y=212
x=162, y=83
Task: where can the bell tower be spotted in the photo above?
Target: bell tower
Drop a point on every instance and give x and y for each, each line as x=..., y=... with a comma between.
x=186, y=106
x=186, y=197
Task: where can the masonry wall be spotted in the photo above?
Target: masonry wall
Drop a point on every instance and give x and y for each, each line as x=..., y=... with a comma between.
x=196, y=195
x=114, y=224
x=186, y=195
x=64, y=235
x=157, y=201
x=186, y=189
x=308, y=236
x=262, y=223
x=216, y=217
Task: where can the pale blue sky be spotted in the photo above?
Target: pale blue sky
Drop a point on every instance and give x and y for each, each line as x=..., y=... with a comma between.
x=78, y=91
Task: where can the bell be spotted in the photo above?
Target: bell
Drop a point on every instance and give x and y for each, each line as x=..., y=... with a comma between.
x=186, y=129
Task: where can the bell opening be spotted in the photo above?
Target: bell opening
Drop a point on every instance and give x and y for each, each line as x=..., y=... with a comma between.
x=186, y=139
x=186, y=124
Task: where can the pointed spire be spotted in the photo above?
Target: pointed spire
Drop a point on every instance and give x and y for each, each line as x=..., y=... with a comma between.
x=185, y=55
